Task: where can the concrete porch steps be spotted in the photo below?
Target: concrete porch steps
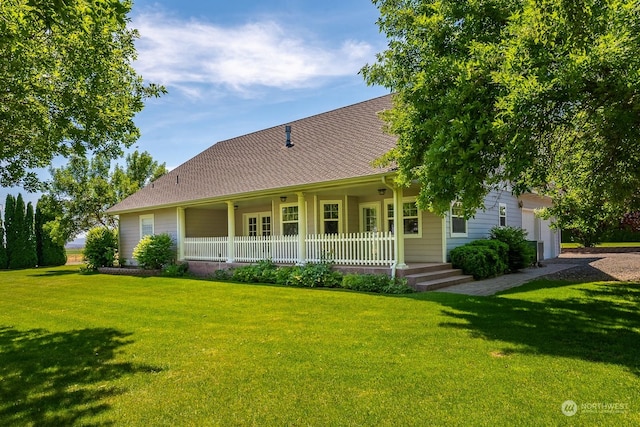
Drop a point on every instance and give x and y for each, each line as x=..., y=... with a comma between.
x=434, y=276
x=432, y=285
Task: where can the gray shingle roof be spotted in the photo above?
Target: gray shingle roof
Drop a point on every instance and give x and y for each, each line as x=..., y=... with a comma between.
x=332, y=146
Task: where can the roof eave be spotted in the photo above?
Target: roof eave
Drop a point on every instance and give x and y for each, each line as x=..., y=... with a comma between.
x=272, y=192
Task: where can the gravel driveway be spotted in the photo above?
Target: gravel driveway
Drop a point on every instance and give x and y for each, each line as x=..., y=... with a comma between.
x=599, y=266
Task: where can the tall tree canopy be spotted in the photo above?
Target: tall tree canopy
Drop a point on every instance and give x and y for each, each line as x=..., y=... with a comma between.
x=541, y=94
x=66, y=83
x=84, y=189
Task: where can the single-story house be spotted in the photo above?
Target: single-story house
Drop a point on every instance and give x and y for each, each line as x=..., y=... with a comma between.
x=308, y=191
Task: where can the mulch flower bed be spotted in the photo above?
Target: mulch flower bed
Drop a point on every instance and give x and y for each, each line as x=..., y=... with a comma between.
x=129, y=271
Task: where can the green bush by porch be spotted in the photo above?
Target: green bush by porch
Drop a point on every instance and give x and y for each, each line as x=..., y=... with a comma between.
x=154, y=251
x=100, y=350
x=313, y=275
x=507, y=250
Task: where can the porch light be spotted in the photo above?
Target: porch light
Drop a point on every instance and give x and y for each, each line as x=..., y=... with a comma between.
x=283, y=199
x=381, y=191
x=235, y=207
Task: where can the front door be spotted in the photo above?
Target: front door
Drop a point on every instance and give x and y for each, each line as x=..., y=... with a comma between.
x=258, y=224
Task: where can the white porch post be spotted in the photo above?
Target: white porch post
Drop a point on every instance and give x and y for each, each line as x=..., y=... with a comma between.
x=444, y=238
x=398, y=226
x=181, y=233
x=302, y=229
x=231, y=232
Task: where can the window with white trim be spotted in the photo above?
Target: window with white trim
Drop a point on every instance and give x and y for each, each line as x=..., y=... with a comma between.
x=458, y=221
x=331, y=216
x=266, y=225
x=289, y=219
x=410, y=218
x=257, y=224
x=146, y=225
x=502, y=215
x=369, y=217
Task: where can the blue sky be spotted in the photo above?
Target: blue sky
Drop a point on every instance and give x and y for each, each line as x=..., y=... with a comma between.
x=234, y=67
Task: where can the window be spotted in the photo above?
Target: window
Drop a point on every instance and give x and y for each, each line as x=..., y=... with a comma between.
x=458, y=222
x=252, y=226
x=257, y=224
x=331, y=217
x=289, y=220
x=146, y=225
x=369, y=217
x=266, y=225
x=502, y=215
x=410, y=217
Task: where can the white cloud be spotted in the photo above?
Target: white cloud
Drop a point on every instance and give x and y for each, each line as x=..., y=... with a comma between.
x=188, y=54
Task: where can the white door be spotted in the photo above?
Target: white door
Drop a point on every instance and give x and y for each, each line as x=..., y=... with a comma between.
x=529, y=224
x=540, y=230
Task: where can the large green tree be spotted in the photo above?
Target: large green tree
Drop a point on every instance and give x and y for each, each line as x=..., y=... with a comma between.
x=531, y=94
x=67, y=85
x=21, y=250
x=85, y=189
x=3, y=248
x=11, y=233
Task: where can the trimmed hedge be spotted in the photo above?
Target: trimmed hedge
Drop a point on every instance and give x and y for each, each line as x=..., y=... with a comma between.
x=521, y=253
x=479, y=260
x=375, y=283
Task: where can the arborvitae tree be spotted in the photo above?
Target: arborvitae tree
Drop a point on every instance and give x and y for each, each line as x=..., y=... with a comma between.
x=10, y=229
x=20, y=255
x=31, y=255
x=3, y=249
x=49, y=253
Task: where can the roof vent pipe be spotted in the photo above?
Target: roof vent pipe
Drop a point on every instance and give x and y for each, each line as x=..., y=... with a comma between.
x=287, y=131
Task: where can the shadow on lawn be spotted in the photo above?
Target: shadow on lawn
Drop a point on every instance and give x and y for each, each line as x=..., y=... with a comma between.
x=59, y=378
x=52, y=273
x=601, y=324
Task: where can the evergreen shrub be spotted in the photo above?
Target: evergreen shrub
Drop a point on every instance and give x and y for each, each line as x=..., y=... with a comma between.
x=521, y=253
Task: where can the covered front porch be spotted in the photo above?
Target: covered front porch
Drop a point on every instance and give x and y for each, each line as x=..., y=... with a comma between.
x=351, y=224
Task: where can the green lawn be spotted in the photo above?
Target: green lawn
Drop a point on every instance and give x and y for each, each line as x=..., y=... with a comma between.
x=98, y=350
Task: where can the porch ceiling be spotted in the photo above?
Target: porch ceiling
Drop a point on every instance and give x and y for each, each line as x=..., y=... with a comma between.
x=357, y=190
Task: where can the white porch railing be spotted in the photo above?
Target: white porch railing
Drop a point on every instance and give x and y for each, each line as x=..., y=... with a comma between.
x=276, y=248
x=351, y=248
x=206, y=248
x=346, y=249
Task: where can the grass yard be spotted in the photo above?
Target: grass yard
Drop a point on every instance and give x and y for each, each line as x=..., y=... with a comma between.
x=98, y=350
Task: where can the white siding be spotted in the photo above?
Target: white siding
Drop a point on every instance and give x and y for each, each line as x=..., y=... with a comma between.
x=479, y=226
x=165, y=221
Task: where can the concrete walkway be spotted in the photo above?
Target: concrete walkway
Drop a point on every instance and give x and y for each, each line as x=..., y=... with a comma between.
x=507, y=281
